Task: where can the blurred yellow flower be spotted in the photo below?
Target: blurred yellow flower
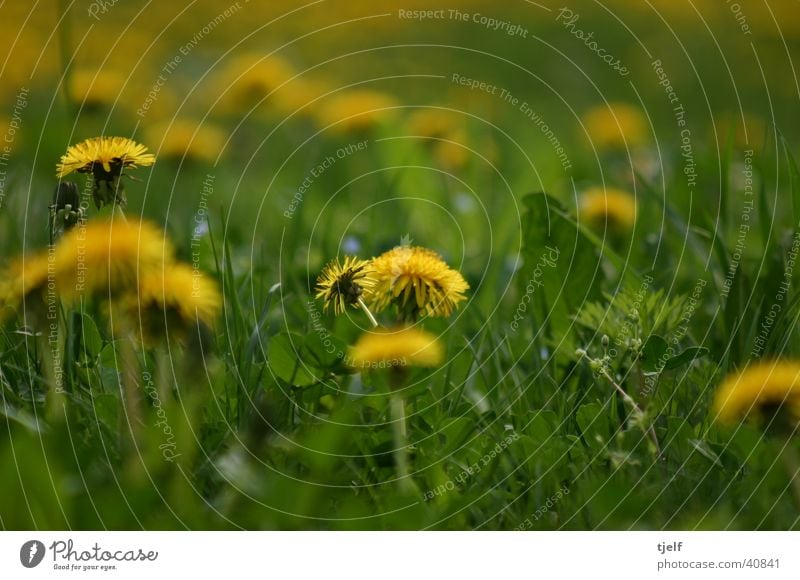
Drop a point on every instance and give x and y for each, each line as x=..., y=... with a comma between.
x=23, y=279
x=105, y=257
x=185, y=138
x=396, y=348
x=93, y=89
x=615, y=126
x=355, y=111
x=433, y=122
x=104, y=155
x=744, y=132
x=172, y=301
x=759, y=390
x=299, y=97
x=249, y=78
x=417, y=281
x=341, y=284
x=609, y=207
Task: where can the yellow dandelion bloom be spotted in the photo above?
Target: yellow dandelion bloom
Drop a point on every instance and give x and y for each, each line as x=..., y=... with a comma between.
x=416, y=280
x=434, y=123
x=355, y=111
x=25, y=278
x=616, y=125
x=745, y=132
x=609, y=207
x=105, y=257
x=111, y=154
x=399, y=347
x=173, y=299
x=759, y=390
x=299, y=97
x=181, y=138
x=452, y=152
x=249, y=78
x=95, y=89
x=341, y=284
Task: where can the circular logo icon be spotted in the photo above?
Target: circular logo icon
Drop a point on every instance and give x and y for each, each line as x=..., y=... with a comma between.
x=31, y=553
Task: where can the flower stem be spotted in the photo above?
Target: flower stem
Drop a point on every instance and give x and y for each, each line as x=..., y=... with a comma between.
x=648, y=431
x=65, y=53
x=369, y=314
x=398, y=416
x=792, y=464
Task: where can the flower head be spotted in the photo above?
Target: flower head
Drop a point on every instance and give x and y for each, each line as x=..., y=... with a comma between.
x=175, y=298
x=416, y=280
x=437, y=123
x=94, y=89
x=399, y=347
x=343, y=284
x=186, y=138
x=610, y=207
x=760, y=390
x=251, y=77
x=105, y=257
x=355, y=111
x=615, y=126
x=103, y=156
x=23, y=279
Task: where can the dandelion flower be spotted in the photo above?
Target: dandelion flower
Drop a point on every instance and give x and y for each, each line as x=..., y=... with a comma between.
x=104, y=157
x=744, y=131
x=612, y=207
x=341, y=284
x=437, y=123
x=298, y=97
x=95, y=89
x=616, y=125
x=355, y=111
x=416, y=280
x=25, y=279
x=184, y=138
x=175, y=298
x=250, y=78
x=760, y=390
x=396, y=348
x=105, y=257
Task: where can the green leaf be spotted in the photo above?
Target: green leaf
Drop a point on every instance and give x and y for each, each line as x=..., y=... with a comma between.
x=592, y=419
x=286, y=361
x=686, y=357
x=652, y=353
x=705, y=450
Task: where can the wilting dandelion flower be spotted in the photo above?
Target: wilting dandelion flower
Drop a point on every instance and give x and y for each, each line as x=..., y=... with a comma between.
x=615, y=125
x=105, y=257
x=174, y=299
x=355, y=111
x=609, y=207
x=396, y=348
x=343, y=284
x=416, y=280
x=760, y=390
x=184, y=138
x=105, y=158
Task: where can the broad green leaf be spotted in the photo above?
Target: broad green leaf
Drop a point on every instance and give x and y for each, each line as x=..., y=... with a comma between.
x=686, y=357
x=652, y=353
